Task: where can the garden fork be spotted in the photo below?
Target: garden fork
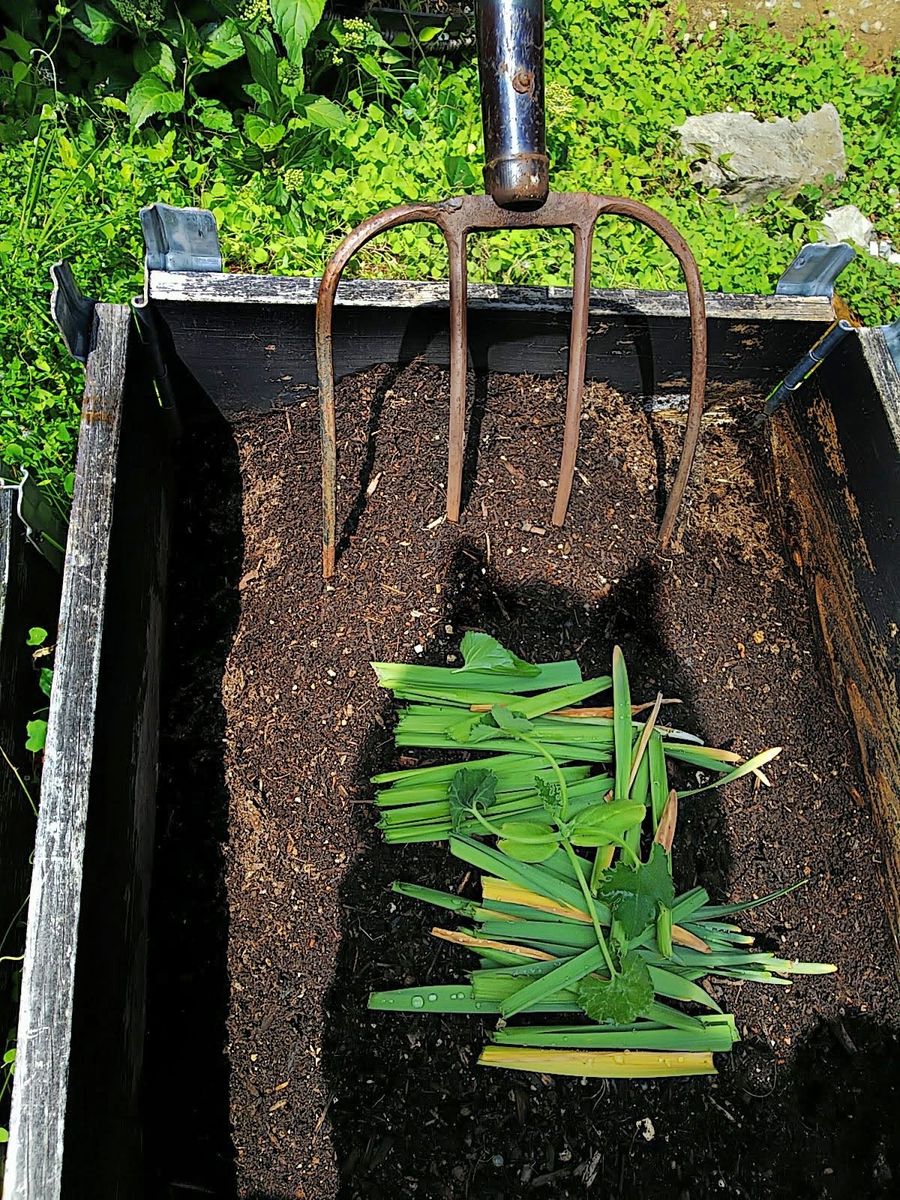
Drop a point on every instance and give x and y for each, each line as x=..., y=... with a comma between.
x=510, y=35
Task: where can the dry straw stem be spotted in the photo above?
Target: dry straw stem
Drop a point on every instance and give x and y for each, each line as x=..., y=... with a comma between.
x=598, y=1064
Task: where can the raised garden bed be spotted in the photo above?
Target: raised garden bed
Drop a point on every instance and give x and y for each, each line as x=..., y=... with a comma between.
x=270, y=916
x=273, y=702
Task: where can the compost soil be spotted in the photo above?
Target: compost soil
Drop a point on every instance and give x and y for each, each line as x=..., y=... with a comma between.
x=272, y=917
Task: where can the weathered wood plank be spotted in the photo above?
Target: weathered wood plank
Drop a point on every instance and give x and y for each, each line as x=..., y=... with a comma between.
x=837, y=457
x=77, y=1106
x=226, y=288
x=261, y=355
x=29, y=595
x=34, y=1162
x=104, y=1141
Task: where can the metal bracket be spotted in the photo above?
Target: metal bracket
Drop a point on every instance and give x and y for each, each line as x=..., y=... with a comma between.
x=180, y=239
x=814, y=270
x=892, y=337
x=148, y=331
x=44, y=526
x=72, y=312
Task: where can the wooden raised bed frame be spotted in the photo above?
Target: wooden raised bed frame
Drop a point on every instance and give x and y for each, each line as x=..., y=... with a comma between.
x=76, y=1126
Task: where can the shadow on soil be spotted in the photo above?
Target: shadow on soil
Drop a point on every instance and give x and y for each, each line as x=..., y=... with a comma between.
x=188, y=1144
x=411, y=1115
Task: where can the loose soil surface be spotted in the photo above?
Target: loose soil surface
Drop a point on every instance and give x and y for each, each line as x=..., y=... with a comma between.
x=272, y=917
x=872, y=24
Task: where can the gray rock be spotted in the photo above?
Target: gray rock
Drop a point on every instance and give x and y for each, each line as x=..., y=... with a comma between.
x=847, y=224
x=747, y=159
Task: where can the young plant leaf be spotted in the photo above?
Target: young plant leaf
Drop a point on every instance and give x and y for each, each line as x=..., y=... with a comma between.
x=528, y=841
x=469, y=790
x=550, y=797
x=599, y=823
x=639, y=794
x=481, y=652
x=457, y=904
x=471, y=730
x=545, y=883
x=664, y=931
x=37, y=735
x=711, y=911
x=621, y=999
x=677, y=987
x=563, y=975
x=440, y=998
x=634, y=893
x=509, y=722
x=714, y=1033
x=562, y=697
x=659, y=781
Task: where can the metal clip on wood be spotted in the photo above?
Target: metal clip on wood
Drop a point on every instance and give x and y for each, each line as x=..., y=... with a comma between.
x=516, y=175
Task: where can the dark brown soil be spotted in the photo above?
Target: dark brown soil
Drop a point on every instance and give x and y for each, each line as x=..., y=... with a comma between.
x=272, y=914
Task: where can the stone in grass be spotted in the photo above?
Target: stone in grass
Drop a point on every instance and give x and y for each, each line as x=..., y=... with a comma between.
x=748, y=160
x=847, y=224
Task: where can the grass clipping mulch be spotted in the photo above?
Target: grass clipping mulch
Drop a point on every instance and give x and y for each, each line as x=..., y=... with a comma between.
x=600, y=936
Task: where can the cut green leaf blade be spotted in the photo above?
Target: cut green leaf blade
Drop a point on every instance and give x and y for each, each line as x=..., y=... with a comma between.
x=622, y=724
x=747, y=768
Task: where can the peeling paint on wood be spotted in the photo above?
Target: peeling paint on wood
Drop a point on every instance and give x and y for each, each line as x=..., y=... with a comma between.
x=224, y=288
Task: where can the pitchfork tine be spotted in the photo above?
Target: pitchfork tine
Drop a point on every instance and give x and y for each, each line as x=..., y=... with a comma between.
x=510, y=38
x=581, y=296
x=328, y=287
x=456, y=247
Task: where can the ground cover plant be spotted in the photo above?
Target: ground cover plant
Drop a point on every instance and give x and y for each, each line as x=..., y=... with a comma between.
x=351, y=126
x=602, y=935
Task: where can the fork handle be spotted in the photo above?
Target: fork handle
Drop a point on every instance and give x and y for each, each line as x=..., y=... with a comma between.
x=511, y=69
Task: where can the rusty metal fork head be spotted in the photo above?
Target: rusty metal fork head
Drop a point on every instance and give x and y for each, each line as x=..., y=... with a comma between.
x=510, y=36
x=457, y=218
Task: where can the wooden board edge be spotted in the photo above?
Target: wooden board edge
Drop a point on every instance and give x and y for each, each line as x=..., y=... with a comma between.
x=29, y=596
x=227, y=288
x=34, y=1161
x=885, y=377
x=106, y=1154
x=823, y=528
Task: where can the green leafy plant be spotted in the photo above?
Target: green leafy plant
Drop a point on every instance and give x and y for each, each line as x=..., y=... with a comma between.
x=37, y=640
x=351, y=60
x=554, y=932
x=200, y=61
x=74, y=171
x=36, y=729
x=8, y=1069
